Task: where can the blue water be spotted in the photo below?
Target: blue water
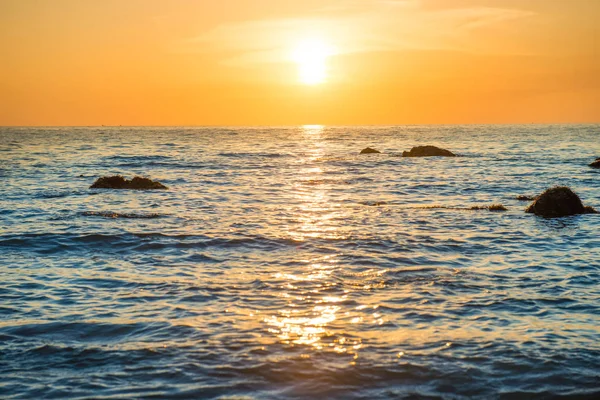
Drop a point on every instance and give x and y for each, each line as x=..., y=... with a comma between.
x=280, y=264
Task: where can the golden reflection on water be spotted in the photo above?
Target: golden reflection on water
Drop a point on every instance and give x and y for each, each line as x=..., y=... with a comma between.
x=313, y=129
x=314, y=217
x=312, y=310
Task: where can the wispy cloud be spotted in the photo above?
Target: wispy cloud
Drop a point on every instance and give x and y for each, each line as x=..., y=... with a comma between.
x=356, y=26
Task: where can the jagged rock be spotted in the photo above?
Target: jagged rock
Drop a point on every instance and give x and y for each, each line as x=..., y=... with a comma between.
x=558, y=201
x=369, y=150
x=118, y=182
x=427, y=151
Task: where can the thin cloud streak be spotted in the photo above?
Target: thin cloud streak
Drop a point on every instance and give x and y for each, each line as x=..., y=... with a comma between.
x=356, y=27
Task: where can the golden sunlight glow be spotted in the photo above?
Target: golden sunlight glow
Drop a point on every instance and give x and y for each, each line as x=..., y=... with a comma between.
x=311, y=56
x=234, y=62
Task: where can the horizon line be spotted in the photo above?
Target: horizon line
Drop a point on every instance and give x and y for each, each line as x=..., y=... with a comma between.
x=298, y=125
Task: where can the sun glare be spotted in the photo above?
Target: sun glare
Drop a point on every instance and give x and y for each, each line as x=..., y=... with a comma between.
x=311, y=57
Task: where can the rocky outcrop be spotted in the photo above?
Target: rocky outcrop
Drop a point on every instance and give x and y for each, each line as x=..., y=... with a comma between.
x=428, y=151
x=595, y=164
x=558, y=201
x=369, y=150
x=118, y=182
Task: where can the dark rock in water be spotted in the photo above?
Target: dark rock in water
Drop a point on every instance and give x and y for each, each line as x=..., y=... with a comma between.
x=428, y=151
x=118, y=182
x=374, y=203
x=491, y=207
x=525, y=198
x=114, y=215
x=558, y=201
x=369, y=150
x=595, y=164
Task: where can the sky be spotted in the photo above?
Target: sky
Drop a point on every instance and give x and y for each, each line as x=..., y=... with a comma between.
x=295, y=62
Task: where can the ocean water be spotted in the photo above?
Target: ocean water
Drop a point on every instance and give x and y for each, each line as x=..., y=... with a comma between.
x=280, y=264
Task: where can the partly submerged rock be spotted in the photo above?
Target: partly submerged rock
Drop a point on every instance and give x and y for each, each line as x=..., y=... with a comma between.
x=491, y=207
x=558, y=201
x=118, y=182
x=114, y=215
x=428, y=151
x=369, y=150
x=525, y=198
x=374, y=203
x=595, y=164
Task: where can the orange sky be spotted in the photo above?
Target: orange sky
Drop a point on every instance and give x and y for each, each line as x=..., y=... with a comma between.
x=231, y=62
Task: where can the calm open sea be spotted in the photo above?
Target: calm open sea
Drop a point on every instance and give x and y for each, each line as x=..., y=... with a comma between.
x=280, y=264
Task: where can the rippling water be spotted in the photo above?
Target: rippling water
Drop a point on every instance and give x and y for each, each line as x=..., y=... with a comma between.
x=282, y=264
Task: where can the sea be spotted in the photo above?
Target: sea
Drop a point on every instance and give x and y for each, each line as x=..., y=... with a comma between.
x=282, y=264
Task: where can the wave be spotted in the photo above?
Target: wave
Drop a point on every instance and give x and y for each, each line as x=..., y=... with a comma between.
x=159, y=164
x=156, y=161
x=58, y=193
x=48, y=243
x=114, y=215
x=251, y=155
x=489, y=207
x=93, y=332
x=317, y=182
x=137, y=158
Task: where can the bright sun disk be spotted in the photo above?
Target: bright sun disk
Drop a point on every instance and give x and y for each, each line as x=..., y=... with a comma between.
x=311, y=57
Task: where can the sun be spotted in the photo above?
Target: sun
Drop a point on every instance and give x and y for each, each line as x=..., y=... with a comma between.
x=311, y=56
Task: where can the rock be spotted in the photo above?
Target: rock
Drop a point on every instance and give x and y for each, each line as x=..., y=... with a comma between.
x=114, y=215
x=491, y=207
x=558, y=201
x=369, y=150
x=595, y=164
x=428, y=151
x=525, y=198
x=118, y=182
x=373, y=203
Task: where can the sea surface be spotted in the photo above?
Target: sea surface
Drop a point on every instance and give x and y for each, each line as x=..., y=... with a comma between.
x=281, y=264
